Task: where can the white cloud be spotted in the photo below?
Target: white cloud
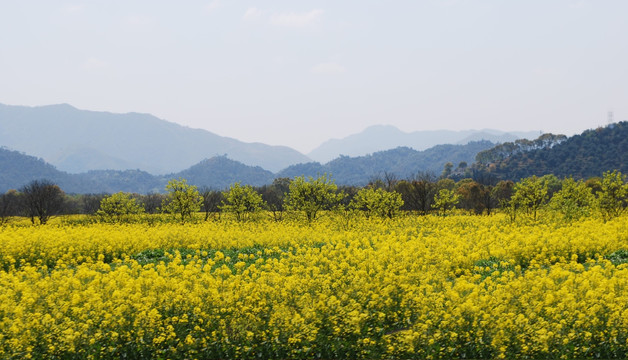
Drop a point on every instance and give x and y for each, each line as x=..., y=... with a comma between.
x=252, y=14
x=296, y=19
x=328, y=68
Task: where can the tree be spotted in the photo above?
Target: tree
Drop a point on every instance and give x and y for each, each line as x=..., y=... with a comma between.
x=573, y=200
x=9, y=205
x=502, y=193
x=418, y=194
x=447, y=170
x=242, y=201
x=378, y=202
x=313, y=195
x=119, y=207
x=552, y=183
x=530, y=194
x=182, y=199
x=152, y=202
x=475, y=196
x=445, y=200
x=613, y=195
x=42, y=199
x=212, y=199
x=274, y=196
x=90, y=203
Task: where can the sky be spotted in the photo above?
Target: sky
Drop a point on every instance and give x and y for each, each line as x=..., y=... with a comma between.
x=297, y=73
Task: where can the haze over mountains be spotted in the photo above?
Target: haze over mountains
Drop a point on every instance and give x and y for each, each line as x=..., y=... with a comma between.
x=384, y=137
x=87, y=151
x=77, y=141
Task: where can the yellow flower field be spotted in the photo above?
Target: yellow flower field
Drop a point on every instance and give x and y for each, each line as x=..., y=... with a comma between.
x=413, y=287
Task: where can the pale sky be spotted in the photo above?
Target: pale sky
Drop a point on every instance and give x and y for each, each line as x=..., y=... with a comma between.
x=297, y=73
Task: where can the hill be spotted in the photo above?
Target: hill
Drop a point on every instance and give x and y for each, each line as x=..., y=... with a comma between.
x=219, y=172
x=384, y=137
x=581, y=156
x=403, y=162
x=18, y=169
x=77, y=141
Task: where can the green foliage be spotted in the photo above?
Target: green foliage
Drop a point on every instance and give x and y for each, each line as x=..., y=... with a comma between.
x=401, y=161
x=530, y=194
x=581, y=156
x=119, y=207
x=313, y=195
x=445, y=200
x=378, y=202
x=613, y=196
x=618, y=257
x=183, y=200
x=574, y=200
x=242, y=201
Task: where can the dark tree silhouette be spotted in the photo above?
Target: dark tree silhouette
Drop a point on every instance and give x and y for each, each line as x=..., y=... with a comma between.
x=42, y=199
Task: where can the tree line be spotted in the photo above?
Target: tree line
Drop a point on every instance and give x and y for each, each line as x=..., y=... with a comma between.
x=385, y=196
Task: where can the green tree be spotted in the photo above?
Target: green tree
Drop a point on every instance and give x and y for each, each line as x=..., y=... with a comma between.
x=378, y=202
x=445, y=200
x=613, y=195
x=312, y=196
x=573, y=200
x=447, y=170
x=242, y=201
x=530, y=195
x=119, y=207
x=183, y=200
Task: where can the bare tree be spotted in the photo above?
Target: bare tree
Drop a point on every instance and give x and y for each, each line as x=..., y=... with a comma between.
x=212, y=199
x=90, y=203
x=42, y=199
x=152, y=202
x=9, y=206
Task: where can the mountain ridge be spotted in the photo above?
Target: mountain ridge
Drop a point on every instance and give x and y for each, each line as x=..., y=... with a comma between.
x=60, y=134
x=384, y=137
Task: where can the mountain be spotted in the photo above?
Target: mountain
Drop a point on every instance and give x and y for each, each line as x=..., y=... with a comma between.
x=18, y=169
x=77, y=141
x=581, y=156
x=404, y=162
x=385, y=137
x=220, y=172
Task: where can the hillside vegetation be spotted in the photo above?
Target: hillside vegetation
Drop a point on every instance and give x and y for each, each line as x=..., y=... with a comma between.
x=581, y=156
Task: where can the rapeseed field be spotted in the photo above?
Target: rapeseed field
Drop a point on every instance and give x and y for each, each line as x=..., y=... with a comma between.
x=458, y=286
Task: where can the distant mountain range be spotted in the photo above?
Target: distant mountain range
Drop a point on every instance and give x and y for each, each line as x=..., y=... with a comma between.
x=76, y=141
x=17, y=169
x=384, y=137
x=95, y=152
x=404, y=162
x=581, y=156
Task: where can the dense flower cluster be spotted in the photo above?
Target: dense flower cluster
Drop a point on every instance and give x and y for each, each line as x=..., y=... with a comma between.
x=411, y=287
